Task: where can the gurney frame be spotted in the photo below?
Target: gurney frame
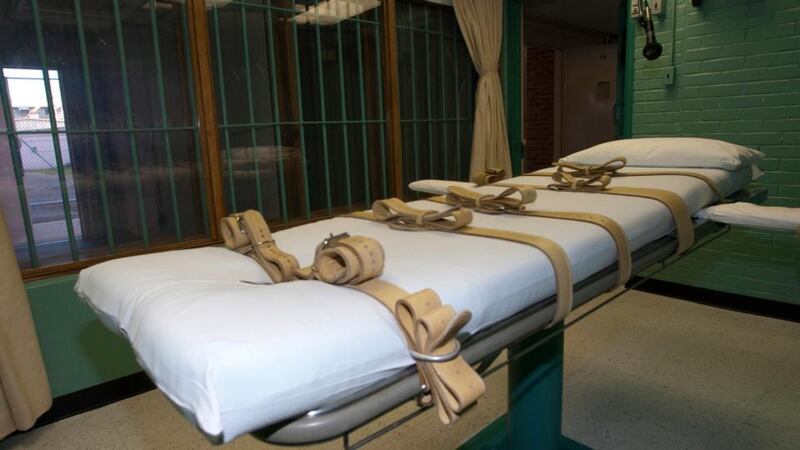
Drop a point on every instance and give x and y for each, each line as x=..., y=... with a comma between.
x=535, y=360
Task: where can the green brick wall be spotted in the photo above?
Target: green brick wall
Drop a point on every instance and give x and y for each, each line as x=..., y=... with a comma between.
x=737, y=78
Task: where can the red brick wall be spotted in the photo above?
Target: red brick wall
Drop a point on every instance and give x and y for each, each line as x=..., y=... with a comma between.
x=539, y=108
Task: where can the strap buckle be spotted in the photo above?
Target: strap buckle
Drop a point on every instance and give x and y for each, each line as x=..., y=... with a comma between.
x=437, y=358
x=240, y=222
x=333, y=240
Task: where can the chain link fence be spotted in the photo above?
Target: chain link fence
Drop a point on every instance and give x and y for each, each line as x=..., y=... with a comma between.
x=37, y=153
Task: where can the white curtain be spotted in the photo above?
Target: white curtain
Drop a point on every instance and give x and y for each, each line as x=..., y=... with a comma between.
x=481, y=23
x=24, y=391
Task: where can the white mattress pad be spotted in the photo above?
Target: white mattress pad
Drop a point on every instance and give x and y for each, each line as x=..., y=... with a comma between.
x=235, y=357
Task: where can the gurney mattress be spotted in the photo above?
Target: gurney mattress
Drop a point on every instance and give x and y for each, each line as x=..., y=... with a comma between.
x=235, y=357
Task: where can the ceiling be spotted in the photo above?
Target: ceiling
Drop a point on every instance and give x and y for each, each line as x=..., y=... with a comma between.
x=600, y=16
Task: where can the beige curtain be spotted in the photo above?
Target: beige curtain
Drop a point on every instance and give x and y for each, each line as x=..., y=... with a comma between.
x=481, y=23
x=24, y=391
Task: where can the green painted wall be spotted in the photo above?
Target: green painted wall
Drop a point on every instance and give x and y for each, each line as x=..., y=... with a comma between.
x=737, y=66
x=78, y=351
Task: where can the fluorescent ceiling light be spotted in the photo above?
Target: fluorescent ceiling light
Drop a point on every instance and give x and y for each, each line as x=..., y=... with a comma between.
x=331, y=12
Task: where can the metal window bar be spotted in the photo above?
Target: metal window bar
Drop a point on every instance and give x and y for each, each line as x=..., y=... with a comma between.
x=276, y=114
x=322, y=111
x=442, y=90
x=469, y=68
x=379, y=73
x=248, y=82
x=435, y=120
x=16, y=162
x=343, y=104
x=423, y=30
x=456, y=63
x=428, y=83
x=220, y=82
x=303, y=154
x=297, y=122
x=62, y=181
x=165, y=121
x=413, y=95
x=193, y=111
x=104, y=130
x=98, y=158
x=126, y=95
x=363, y=107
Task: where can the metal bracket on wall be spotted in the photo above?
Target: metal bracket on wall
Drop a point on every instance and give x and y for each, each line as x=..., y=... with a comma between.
x=657, y=7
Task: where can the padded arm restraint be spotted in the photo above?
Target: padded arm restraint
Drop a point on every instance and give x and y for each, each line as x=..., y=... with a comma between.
x=248, y=233
x=429, y=327
x=400, y=216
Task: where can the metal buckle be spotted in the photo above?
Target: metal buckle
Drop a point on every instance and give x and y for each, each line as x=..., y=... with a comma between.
x=332, y=240
x=240, y=222
x=437, y=358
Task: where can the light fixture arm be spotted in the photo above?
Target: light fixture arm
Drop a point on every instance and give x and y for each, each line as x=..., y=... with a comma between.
x=652, y=49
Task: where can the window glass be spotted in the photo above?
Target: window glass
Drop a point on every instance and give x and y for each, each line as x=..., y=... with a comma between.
x=300, y=105
x=98, y=142
x=437, y=88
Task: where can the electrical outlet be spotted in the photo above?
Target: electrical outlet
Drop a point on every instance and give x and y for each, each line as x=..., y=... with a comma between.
x=668, y=75
x=657, y=7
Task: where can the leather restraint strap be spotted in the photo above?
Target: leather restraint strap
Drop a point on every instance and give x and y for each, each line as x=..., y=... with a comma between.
x=505, y=203
x=429, y=327
x=711, y=184
x=674, y=203
x=490, y=175
x=248, y=233
x=568, y=172
x=488, y=203
x=398, y=215
x=595, y=178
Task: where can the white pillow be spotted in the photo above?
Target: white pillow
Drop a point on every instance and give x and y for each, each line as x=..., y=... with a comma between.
x=670, y=152
x=437, y=187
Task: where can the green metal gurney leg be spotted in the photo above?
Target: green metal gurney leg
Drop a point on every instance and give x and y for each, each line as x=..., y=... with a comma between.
x=535, y=388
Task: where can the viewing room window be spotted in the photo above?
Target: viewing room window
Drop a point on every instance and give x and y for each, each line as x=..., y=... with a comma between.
x=132, y=126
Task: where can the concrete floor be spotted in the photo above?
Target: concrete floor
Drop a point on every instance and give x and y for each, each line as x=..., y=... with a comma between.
x=643, y=372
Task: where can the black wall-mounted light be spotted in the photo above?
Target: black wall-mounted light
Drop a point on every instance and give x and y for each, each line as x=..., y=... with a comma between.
x=652, y=49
